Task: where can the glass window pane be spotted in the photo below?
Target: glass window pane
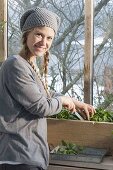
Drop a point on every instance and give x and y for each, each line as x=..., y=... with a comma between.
x=103, y=55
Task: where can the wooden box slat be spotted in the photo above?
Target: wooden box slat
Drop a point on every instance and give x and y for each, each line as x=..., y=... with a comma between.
x=84, y=133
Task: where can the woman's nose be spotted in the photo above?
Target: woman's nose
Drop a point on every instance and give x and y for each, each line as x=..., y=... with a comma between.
x=43, y=41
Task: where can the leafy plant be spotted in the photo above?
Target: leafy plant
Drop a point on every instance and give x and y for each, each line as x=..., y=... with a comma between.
x=69, y=148
x=102, y=115
x=65, y=114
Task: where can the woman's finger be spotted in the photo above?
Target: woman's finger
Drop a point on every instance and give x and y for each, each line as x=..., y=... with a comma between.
x=87, y=113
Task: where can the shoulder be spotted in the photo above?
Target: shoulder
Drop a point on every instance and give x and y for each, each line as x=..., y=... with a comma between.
x=16, y=62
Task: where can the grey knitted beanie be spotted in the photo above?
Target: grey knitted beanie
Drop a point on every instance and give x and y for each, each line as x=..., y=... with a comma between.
x=39, y=17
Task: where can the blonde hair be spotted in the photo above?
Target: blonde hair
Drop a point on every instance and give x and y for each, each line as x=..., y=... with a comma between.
x=25, y=53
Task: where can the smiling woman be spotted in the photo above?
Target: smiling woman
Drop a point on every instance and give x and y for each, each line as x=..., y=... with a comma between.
x=25, y=99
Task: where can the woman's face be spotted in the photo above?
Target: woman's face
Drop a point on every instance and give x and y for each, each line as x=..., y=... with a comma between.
x=39, y=40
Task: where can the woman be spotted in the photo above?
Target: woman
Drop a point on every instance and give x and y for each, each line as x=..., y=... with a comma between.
x=25, y=100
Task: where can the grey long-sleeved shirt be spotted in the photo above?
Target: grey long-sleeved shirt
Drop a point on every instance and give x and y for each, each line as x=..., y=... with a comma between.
x=23, y=109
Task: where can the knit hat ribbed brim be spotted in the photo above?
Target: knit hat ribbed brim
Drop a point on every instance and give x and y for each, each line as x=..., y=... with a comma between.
x=39, y=17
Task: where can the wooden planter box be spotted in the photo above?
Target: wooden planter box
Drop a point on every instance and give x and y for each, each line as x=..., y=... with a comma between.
x=84, y=133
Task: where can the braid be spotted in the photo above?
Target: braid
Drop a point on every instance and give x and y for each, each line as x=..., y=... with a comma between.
x=46, y=61
x=32, y=65
x=25, y=50
x=39, y=76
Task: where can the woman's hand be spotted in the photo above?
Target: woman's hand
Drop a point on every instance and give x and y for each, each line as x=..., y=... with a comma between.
x=67, y=102
x=85, y=109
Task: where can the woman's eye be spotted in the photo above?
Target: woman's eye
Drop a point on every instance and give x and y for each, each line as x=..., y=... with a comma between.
x=38, y=35
x=50, y=38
